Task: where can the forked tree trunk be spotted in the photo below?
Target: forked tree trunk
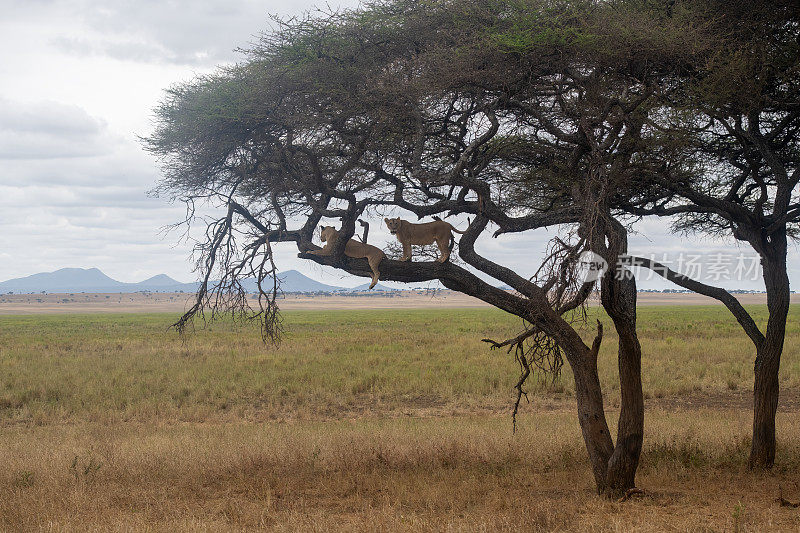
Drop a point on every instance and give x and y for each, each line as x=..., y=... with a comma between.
x=614, y=467
x=768, y=355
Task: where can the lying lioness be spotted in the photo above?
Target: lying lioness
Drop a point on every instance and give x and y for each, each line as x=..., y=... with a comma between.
x=437, y=231
x=353, y=249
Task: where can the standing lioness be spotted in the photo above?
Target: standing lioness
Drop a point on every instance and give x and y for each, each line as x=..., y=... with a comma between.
x=353, y=249
x=437, y=231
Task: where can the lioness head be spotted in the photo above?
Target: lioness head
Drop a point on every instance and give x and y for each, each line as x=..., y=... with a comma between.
x=326, y=232
x=393, y=224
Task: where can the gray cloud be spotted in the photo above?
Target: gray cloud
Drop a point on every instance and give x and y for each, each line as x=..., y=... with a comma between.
x=49, y=130
x=130, y=50
x=40, y=235
x=201, y=33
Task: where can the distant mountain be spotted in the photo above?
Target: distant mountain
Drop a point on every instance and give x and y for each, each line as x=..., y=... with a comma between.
x=161, y=280
x=294, y=281
x=378, y=287
x=75, y=277
x=68, y=280
x=89, y=280
x=64, y=280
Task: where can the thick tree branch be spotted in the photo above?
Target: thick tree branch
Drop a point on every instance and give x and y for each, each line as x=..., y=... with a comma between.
x=466, y=250
x=452, y=276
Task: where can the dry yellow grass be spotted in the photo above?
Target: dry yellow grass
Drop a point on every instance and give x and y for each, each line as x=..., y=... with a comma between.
x=456, y=474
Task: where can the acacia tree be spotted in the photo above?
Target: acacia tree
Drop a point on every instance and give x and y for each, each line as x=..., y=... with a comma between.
x=518, y=115
x=737, y=117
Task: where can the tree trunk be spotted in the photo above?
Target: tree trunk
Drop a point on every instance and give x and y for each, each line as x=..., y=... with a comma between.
x=588, y=394
x=619, y=301
x=592, y=417
x=768, y=355
x=765, y=405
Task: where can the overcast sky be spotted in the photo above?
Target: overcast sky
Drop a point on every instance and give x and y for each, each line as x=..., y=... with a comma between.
x=78, y=82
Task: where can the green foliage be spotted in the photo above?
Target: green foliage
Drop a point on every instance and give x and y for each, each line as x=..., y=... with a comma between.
x=525, y=26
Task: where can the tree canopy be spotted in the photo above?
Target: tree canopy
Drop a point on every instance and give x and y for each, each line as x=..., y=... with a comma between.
x=490, y=109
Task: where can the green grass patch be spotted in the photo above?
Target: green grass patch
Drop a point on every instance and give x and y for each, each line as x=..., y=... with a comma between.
x=130, y=366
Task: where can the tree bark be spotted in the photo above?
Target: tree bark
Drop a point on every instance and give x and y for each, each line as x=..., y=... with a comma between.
x=768, y=355
x=618, y=296
x=591, y=414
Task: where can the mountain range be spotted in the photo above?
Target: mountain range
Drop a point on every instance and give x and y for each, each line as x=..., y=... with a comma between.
x=67, y=280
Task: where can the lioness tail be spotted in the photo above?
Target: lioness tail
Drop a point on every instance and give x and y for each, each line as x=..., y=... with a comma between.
x=458, y=230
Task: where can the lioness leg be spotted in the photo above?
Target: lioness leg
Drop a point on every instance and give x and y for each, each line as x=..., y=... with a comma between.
x=444, y=250
x=406, y=251
x=374, y=262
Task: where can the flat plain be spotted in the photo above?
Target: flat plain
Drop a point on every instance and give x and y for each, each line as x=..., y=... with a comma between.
x=177, y=302
x=369, y=419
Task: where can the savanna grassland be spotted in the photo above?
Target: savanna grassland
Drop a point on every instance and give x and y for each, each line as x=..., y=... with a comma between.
x=371, y=420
